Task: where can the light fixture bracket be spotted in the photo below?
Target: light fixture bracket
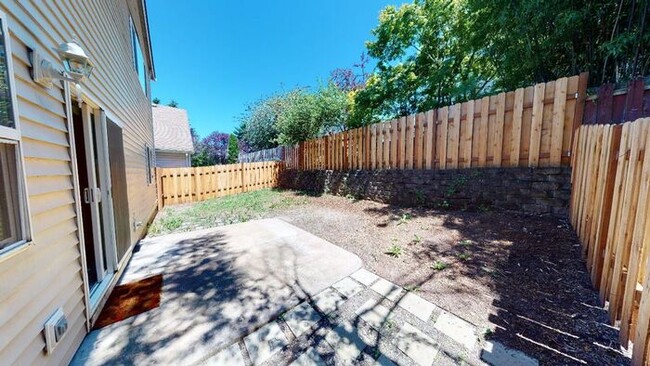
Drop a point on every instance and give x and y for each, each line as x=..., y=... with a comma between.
x=44, y=73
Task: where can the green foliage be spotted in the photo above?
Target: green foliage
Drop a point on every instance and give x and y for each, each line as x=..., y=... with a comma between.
x=308, y=115
x=155, y=100
x=432, y=53
x=294, y=116
x=257, y=126
x=425, y=59
x=404, y=219
x=466, y=242
x=416, y=239
x=233, y=149
x=223, y=211
x=439, y=265
x=532, y=41
x=412, y=288
x=172, y=103
x=465, y=256
x=395, y=251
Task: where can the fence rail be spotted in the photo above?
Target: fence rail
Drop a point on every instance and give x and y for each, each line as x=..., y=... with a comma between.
x=609, y=211
x=531, y=126
x=183, y=185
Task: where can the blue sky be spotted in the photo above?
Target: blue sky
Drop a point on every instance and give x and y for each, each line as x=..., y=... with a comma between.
x=214, y=57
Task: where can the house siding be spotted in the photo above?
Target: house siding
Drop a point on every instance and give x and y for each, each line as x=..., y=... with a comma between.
x=171, y=160
x=48, y=274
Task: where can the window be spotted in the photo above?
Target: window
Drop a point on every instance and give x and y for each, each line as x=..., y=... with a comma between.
x=149, y=160
x=13, y=216
x=138, y=59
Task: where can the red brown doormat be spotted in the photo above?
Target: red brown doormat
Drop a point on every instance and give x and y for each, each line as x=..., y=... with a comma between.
x=130, y=299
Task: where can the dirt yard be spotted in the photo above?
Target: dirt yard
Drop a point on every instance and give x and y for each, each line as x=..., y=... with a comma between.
x=519, y=278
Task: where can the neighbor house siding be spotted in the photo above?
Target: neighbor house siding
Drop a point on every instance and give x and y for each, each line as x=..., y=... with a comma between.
x=171, y=160
x=48, y=274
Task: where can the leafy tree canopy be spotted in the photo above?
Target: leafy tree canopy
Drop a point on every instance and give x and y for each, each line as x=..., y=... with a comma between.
x=305, y=115
x=233, y=149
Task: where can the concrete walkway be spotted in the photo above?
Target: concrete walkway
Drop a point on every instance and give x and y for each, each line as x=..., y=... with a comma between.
x=268, y=293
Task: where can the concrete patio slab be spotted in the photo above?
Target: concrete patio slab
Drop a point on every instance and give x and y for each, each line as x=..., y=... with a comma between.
x=218, y=285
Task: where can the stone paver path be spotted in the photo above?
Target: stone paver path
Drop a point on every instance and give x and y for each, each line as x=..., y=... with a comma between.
x=367, y=320
x=264, y=342
x=417, y=345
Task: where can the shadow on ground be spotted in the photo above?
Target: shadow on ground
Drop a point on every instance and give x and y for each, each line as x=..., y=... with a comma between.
x=218, y=286
x=525, y=272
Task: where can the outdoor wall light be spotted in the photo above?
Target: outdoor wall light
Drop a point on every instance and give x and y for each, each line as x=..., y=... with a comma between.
x=76, y=63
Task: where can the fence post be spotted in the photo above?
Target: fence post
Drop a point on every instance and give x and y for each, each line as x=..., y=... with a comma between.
x=243, y=176
x=159, y=188
x=578, y=115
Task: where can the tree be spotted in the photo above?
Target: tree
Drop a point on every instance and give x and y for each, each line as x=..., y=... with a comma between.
x=155, y=100
x=211, y=150
x=200, y=156
x=306, y=115
x=533, y=41
x=172, y=103
x=257, y=128
x=425, y=59
x=216, y=147
x=233, y=149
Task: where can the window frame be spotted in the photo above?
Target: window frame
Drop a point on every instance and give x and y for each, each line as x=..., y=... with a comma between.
x=148, y=163
x=9, y=135
x=138, y=61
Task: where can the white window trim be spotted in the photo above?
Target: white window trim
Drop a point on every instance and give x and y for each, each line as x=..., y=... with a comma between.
x=135, y=47
x=148, y=163
x=12, y=135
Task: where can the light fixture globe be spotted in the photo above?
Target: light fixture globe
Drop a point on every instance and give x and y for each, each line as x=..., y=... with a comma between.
x=75, y=61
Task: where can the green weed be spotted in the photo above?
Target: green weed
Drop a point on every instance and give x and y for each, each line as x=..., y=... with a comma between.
x=439, y=265
x=395, y=251
x=404, y=219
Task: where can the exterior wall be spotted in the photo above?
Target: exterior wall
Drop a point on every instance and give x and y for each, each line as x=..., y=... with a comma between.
x=539, y=191
x=48, y=274
x=172, y=160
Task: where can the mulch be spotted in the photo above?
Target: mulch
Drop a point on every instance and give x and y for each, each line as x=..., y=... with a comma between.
x=521, y=279
x=130, y=299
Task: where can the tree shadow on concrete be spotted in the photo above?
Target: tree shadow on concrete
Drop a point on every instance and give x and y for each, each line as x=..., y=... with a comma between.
x=207, y=304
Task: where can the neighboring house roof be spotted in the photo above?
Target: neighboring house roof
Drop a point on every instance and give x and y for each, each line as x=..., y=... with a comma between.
x=171, y=129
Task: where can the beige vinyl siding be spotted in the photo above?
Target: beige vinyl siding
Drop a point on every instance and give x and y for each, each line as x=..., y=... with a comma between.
x=48, y=274
x=171, y=160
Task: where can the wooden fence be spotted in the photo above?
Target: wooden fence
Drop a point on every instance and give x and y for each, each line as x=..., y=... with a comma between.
x=612, y=105
x=183, y=185
x=276, y=153
x=609, y=211
x=531, y=126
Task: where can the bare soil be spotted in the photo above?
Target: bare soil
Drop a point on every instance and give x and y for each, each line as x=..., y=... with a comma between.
x=521, y=279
